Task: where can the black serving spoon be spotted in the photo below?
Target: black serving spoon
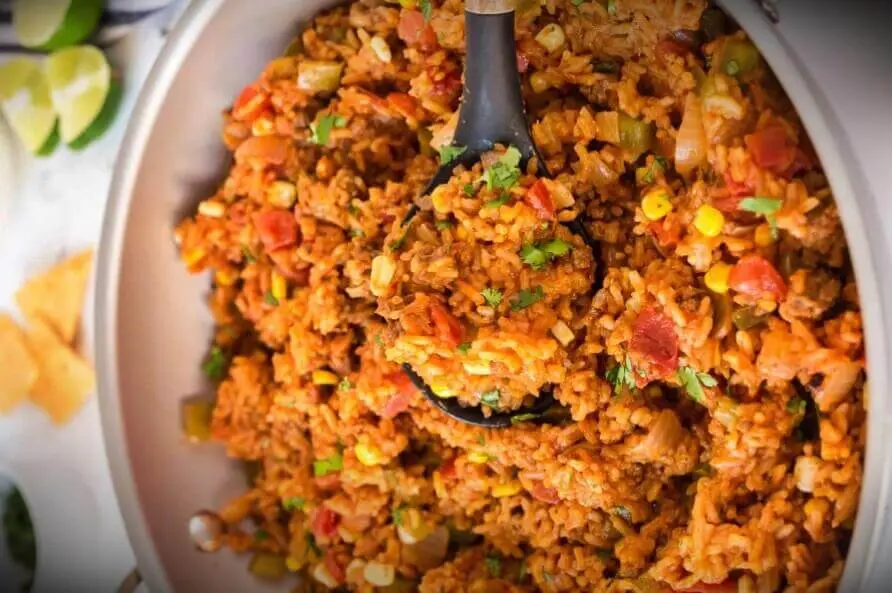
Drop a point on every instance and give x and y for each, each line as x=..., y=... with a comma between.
x=491, y=113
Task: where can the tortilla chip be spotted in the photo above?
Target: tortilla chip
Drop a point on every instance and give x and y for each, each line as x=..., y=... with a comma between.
x=64, y=379
x=18, y=370
x=57, y=295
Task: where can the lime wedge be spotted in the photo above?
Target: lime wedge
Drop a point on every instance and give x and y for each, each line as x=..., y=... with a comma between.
x=80, y=80
x=25, y=99
x=53, y=24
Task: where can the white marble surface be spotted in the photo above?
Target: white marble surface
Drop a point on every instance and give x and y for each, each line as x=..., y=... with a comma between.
x=49, y=209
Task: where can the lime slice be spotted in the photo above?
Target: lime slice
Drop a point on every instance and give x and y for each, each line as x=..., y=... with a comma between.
x=53, y=24
x=25, y=99
x=80, y=87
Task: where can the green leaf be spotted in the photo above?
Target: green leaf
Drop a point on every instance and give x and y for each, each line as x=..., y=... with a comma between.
x=623, y=513
x=796, y=405
x=527, y=298
x=320, y=131
x=215, y=364
x=605, y=66
x=491, y=398
x=442, y=225
x=759, y=205
x=500, y=201
x=611, y=6
x=557, y=248
x=622, y=375
x=293, y=503
x=604, y=553
x=398, y=243
x=426, y=9
x=469, y=189
x=533, y=256
x=521, y=418
x=481, y=439
x=693, y=382
x=659, y=164
x=492, y=296
x=328, y=465
x=463, y=347
x=505, y=172
x=450, y=153
x=261, y=535
x=269, y=299
x=345, y=384
x=311, y=543
x=577, y=2
x=249, y=257
x=356, y=233
x=706, y=380
x=379, y=340
x=397, y=513
x=731, y=67
x=493, y=565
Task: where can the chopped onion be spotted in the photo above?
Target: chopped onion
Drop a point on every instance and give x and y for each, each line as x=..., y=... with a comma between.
x=561, y=196
x=563, y=333
x=608, y=126
x=551, y=37
x=206, y=530
x=319, y=77
x=690, y=145
x=806, y=473
x=378, y=574
x=724, y=105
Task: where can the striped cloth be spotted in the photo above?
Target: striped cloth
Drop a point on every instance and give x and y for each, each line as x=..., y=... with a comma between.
x=119, y=17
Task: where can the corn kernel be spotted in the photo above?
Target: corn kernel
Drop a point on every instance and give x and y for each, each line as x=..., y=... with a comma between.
x=211, y=209
x=538, y=82
x=368, y=454
x=716, y=278
x=439, y=199
x=293, y=564
x=481, y=368
x=279, y=286
x=383, y=271
x=478, y=457
x=281, y=194
x=551, y=37
x=325, y=378
x=656, y=204
x=440, y=387
x=262, y=126
x=709, y=220
x=508, y=489
x=764, y=235
x=194, y=256
x=225, y=277
x=381, y=49
x=563, y=333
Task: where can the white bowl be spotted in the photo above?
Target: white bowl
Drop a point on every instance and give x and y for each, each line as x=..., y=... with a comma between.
x=153, y=328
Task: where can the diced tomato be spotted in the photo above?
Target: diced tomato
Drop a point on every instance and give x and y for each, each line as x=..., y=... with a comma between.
x=523, y=63
x=726, y=586
x=277, y=229
x=539, y=198
x=447, y=469
x=667, y=232
x=542, y=492
x=654, y=345
x=447, y=327
x=329, y=482
x=771, y=149
x=801, y=162
x=446, y=85
x=251, y=103
x=267, y=150
x=400, y=401
x=413, y=30
x=756, y=277
x=324, y=522
x=334, y=567
x=404, y=103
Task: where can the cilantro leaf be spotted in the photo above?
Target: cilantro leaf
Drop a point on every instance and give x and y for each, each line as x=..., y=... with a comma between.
x=538, y=255
x=658, y=164
x=320, y=131
x=557, y=248
x=397, y=513
x=463, y=347
x=345, y=384
x=469, y=189
x=521, y=418
x=450, y=153
x=397, y=244
x=442, y=225
x=500, y=201
x=796, y=405
x=311, y=544
x=493, y=565
x=527, y=298
x=622, y=375
x=328, y=465
x=611, y=6
x=577, y=2
x=270, y=299
x=759, y=205
x=492, y=296
x=356, y=233
x=261, y=535
x=694, y=382
x=505, y=172
x=215, y=365
x=249, y=257
x=293, y=503
x=491, y=398
x=731, y=68
x=426, y=9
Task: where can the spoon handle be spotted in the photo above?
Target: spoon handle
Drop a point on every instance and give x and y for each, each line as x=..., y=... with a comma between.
x=492, y=108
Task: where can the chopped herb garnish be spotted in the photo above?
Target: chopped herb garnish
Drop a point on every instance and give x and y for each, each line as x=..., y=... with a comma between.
x=767, y=207
x=505, y=172
x=293, y=503
x=577, y=2
x=694, y=382
x=355, y=233
x=463, y=347
x=622, y=375
x=604, y=553
x=249, y=257
x=398, y=243
x=379, y=340
x=492, y=296
x=539, y=255
x=311, y=543
x=261, y=535
x=328, y=465
x=353, y=210
x=215, y=364
x=521, y=418
x=442, y=225
x=450, y=153
x=469, y=189
x=493, y=565
x=527, y=298
x=500, y=201
x=623, y=513
x=658, y=164
x=426, y=9
x=606, y=66
x=270, y=299
x=320, y=131
x=611, y=6
x=796, y=405
x=397, y=513
x=481, y=440
x=491, y=398
x=704, y=469
x=731, y=67
x=547, y=576
x=345, y=384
